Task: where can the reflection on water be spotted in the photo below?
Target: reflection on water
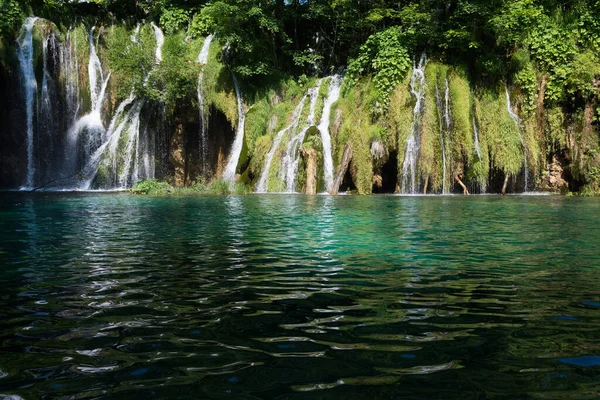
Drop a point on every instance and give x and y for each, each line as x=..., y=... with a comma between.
x=116, y=296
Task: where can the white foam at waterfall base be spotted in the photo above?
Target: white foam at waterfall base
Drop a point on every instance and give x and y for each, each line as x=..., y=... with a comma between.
x=203, y=59
x=25, y=56
x=263, y=182
x=517, y=120
x=333, y=96
x=409, y=167
x=236, y=149
x=291, y=159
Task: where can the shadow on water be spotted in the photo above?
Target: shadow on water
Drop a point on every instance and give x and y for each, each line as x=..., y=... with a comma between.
x=114, y=296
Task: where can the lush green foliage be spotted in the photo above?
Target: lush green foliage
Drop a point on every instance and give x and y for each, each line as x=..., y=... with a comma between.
x=386, y=57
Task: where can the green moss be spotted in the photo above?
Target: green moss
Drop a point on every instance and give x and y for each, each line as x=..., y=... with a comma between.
x=462, y=120
x=261, y=148
x=500, y=132
x=218, y=86
x=79, y=36
x=479, y=164
x=555, y=129
x=401, y=117
x=154, y=187
x=257, y=122
x=358, y=129
x=323, y=92
x=430, y=158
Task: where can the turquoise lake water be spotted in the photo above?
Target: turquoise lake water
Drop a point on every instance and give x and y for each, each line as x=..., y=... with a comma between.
x=294, y=297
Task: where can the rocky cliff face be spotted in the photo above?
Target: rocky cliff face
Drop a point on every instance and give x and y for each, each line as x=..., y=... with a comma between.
x=100, y=120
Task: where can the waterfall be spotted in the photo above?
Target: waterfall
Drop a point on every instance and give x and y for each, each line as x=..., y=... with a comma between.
x=136, y=32
x=409, y=167
x=132, y=143
x=25, y=55
x=202, y=60
x=125, y=170
x=332, y=97
x=238, y=143
x=517, y=120
x=91, y=123
x=476, y=139
x=160, y=41
x=71, y=76
x=291, y=159
x=111, y=141
x=262, y=186
x=446, y=118
x=97, y=89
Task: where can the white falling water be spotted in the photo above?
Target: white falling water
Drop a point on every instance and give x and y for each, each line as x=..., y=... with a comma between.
x=71, y=71
x=263, y=182
x=442, y=144
x=517, y=120
x=71, y=76
x=91, y=123
x=97, y=82
x=202, y=60
x=332, y=97
x=447, y=116
x=46, y=106
x=160, y=41
x=291, y=159
x=136, y=32
x=25, y=55
x=238, y=143
x=409, y=167
x=126, y=169
x=476, y=139
x=111, y=141
x=133, y=135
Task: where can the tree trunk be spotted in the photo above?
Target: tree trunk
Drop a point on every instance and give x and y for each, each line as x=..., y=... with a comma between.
x=310, y=160
x=460, y=182
x=339, y=178
x=426, y=184
x=505, y=183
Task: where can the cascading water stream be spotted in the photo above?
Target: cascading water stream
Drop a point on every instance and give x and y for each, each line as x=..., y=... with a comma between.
x=202, y=60
x=93, y=120
x=236, y=149
x=263, y=182
x=409, y=167
x=25, y=55
x=135, y=150
x=332, y=97
x=132, y=143
x=160, y=41
x=517, y=120
x=291, y=159
x=97, y=88
x=136, y=32
x=476, y=139
x=111, y=142
x=71, y=76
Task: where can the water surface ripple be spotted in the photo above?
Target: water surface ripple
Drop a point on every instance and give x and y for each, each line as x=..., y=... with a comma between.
x=293, y=297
